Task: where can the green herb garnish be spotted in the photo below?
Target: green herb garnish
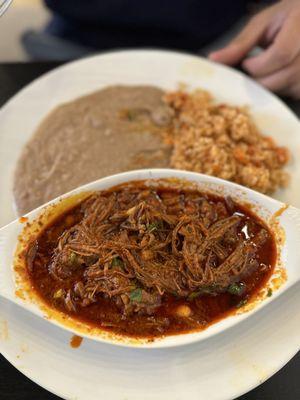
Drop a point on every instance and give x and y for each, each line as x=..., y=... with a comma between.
x=154, y=226
x=241, y=303
x=130, y=115
x=211, y=289
x=136, y=295
x=236, y=288
x=193, y=295
x=73, y=258
x=117, y=262
x=270, y=292
x=189, y=229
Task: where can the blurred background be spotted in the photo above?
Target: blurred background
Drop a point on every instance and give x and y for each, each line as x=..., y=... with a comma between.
x=20, y=17
x=59, y=30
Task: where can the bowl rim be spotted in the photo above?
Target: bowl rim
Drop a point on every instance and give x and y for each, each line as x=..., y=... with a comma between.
x=200, y=180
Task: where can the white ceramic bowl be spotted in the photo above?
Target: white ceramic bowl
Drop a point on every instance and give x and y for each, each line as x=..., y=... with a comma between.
x=286, y=223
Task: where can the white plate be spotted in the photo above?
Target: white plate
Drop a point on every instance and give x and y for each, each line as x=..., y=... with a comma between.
x=222, y=367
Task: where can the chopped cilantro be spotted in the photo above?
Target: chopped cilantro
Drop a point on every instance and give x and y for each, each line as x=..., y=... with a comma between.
x=236, y=288
x=241, y=303
x=73, y=258
x=117, y=262
x=136, y=295
x=154, y=226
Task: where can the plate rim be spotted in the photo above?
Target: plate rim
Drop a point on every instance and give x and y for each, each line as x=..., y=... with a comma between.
x=132, y=52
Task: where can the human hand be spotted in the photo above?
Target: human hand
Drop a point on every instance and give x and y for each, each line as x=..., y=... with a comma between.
x=277, y=30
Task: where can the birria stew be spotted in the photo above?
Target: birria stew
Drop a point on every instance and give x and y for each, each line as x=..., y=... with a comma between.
x=148, y=260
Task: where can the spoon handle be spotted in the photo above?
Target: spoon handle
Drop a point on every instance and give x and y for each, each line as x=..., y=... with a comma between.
x=4, y=6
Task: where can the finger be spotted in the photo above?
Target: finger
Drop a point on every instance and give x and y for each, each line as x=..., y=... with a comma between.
x=278, y=81
x=282, y=52
x=292, y=91
x=239, y=47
